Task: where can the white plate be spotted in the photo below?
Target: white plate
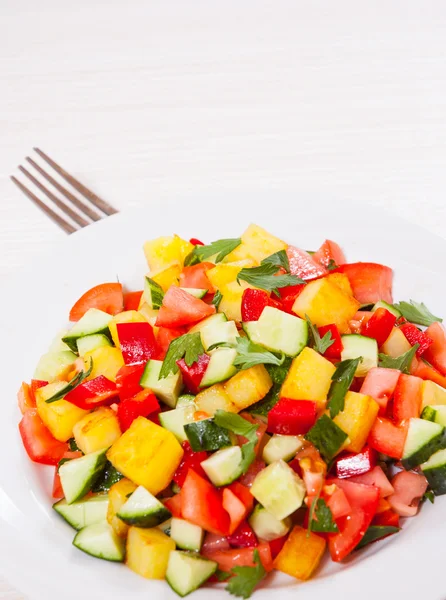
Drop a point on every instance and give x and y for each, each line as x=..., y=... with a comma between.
x=37, y=555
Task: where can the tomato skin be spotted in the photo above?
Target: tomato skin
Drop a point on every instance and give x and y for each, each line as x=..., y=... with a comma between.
x=330, y=252
x=201, y=504
x=235, y=508
x=370, y=282
x=106, y=296
x=137, y=341
x=180, y=308
x=242, y=492
x=143, y=404
x=388, y=438
x=191, y=460
x=414, y=336
x=291, y=417
x=253, y=303
x=424, y=371
x=380, y=384
x=407, y=398
x=388, y=517
x=333, y=351
x=195, y=277
x=378, y=478
x=193, y=375
x=38, y=442
x=379, y=326
x=132, y=300
x=241, y=557
x=303, y=264
x=338, y=503
x=436, y=353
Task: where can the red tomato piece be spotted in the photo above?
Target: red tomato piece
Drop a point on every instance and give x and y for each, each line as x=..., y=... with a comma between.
x=407, y=398
x=106, y=296
x=195, y=242
x=180, y=308
x=174, y=505
x=243, y=557
x=235, y=508
x=99, y=391
x=243, y=537
x=127, y=380
x=379, y=326
x=142, y=405
x=334, y=351
x=424, y=371
x=388, y=517
x=378, y=478
x=388, y=438
x=191, y=460
x=337, y=502
x=253, y=303
x=132, y=300
x=303, y=265
x=242, y=492
x=380, y=384
x=330, y=253
x=364, y=501
x=436, y=353
x=193, y=375
x=164, y=337
x=25, y=398
x=38, y=442
x=137, y=341
x=409, y=489
x=195, y=277
x=292, y=417
x=201, y=504
x=370, y=282
x=415, y=336
x=350, y=465
x=261, y=429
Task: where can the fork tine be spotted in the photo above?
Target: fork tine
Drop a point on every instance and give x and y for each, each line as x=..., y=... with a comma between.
x=78, y=203
x=63, y=207
x=94, y=199
x=51, y=214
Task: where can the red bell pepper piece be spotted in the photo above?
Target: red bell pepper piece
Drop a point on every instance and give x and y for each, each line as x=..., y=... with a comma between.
x=201, y=504
x=143, y=404
x=334, y=351
x=191, y=460
x=195, y=242
x=388, y=517
x=243, y=537
x=379, y=326
x=137, y=342
x=407, y=398
x=174, y=505
x=288, y=296
x=242, y=492
x=350, y=465
x=193, y=375
x=127, y=380
x=415, y=336
x=99, y=391
x=388, y=438
x=253, y=303
x=291, y=417
x=132, y=300
x=277, y=545
x=39, y=444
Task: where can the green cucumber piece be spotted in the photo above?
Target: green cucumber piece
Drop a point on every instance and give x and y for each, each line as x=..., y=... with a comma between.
x=213, y=319
x=279, y=489
x=188, y=571
x=389, y=307
x=266, y=526
x=79, y=475
x=219, y=332
x=220, y=367
x=167, y=389
x=423, y=439
x=101, y=541
x=53, y=364
x=224, y=466
x=356, y=345
x=83, y=513
x=153, y=293
x=207, y=435
x=281, y=447
x=278, y=331
x=195, y=292
x=185, y=400
x=93, y=321
x=186, y=536
x=165, y=527
x=91, y=342
x=375, y=533
x=142, y=509
x=327, y=437
x=175, y=420
x=436, y=414
x=107, y=478
x=434, y=470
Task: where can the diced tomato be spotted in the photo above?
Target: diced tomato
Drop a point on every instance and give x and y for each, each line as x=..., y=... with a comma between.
x=380, y=384
x=254, y=469
x=191, y=460
x=350, y=465
x=337, y=501
x=213, y=542
x=387, y=517
x=180, y=308
x=106, y=296
x=132, y=300
x=334, y=351
x=37, y=440
x=25, y=398
x=253, y=303
x=375, y=477
x=415, y=336
x=370, y=282
x=36, y=384
x=288, y=296
x=424, y=371
x=277, y=545
x=329, y=253
x=243, y=493
x=407, y=398
x=201, y=504
x=137, y=341
x=164, y=337
x=235, y=508
x=243, y=537
x=379, y=326
x=193, y=375
x=90, y=394
x=364, y=500
x=409, y=489
x=436, y=353
x=241, y=557
x=195, y=277
x=195, y=242
x=292, y=417
x=142, y=405
x=174, y=505
x=388, y=438
x=303, y=265
x=127, y=380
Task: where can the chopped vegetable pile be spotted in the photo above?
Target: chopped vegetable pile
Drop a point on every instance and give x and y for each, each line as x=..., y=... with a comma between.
x=252, y=408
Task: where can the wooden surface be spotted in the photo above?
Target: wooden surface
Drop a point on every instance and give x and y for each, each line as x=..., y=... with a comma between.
x=144, y=99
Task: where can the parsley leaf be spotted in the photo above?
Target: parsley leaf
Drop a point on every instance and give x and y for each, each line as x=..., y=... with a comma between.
x=331, y=265
x=222, y=575
x=218, y=296
x=416, y=312
x=402, y=363
x=321, y=344
x=250, y=354
x=240, y=426
x=340, y=382
x=221, y=247
x=265, y=277
x=188, y=346
x=73, y=383
x=429, y=495
x=245, y=579
x=278, y=259
x=323, y=522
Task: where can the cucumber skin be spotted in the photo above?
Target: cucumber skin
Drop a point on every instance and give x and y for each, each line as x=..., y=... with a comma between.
x=98, y=469
x=424, y=453
x=207, y=435
x=76, y=544
x=147, y=521
x=109, y=477
x=437, y=479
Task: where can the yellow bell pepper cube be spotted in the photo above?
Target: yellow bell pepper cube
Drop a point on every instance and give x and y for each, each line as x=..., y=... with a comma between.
x=309, y=378
x=301, y=554
x=118, y=495
x=357, y=418
x=396, y=344
x=325, y=303
x=97, y=430
x=167, y=277
x=166, y=251
x=128, y=316
x=106, y=361
x=432, y=394
x=214, y=398
x=248, y=386
x=256, y=244
x=60, y=416
x=147, y=454
x=148, y=552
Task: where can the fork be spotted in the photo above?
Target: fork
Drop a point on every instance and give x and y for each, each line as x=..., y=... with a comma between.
x=79, y=212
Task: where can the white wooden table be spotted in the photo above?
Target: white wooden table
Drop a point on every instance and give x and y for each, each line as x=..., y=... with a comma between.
x=147, y=99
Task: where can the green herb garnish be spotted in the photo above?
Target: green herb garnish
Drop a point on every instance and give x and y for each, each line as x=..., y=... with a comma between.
x=417, y=312
x=72, y=384
x=402, y=363
x=278, y=259
x=341, y=381
x=220, y=247
x=266, y=278
x=321, y=345
x=245, y=579
x=239, y=426
x=187, y=346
